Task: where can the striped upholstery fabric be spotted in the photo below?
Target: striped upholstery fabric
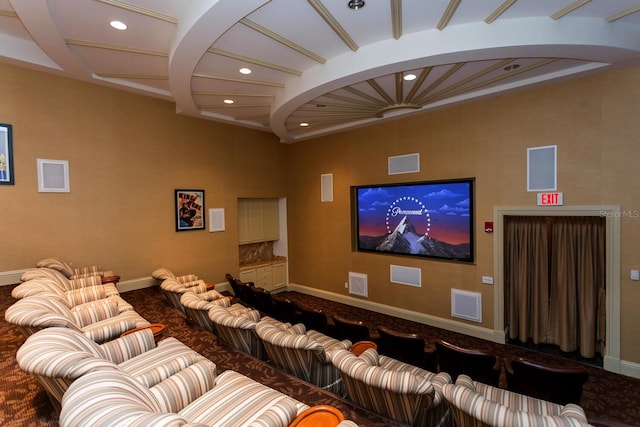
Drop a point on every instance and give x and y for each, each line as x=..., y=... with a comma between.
x=392, y=388
x=173, y=290
x=98, y=320
x=58, y=356
x=68, y=270
x=103, y=398
x=475, y=404
x=74, y=297
x=57, y=277
x=196, y=306
x=164, y=273
x=303, y=355
x=236, y=327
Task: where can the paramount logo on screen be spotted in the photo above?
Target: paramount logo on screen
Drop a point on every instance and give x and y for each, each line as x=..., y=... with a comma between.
x=395, y=211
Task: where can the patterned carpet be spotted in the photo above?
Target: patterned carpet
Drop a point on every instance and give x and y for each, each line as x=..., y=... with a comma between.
x=608, y=399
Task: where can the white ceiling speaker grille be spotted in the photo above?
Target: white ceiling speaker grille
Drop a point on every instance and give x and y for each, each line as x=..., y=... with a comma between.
x=407, y=163
x=358, y=284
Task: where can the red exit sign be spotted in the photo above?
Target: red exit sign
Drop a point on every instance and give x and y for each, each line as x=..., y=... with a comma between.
x=549, y=199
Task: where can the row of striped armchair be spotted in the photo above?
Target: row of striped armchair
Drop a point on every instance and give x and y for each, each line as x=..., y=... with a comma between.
x=392, y=388
x=113, y=378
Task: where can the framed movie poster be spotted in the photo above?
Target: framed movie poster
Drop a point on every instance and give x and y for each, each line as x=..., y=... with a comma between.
x=6, y=155
x=189, y=205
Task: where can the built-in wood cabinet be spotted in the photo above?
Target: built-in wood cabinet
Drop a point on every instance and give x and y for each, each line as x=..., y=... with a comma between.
x=258, y=220
x=269, y=276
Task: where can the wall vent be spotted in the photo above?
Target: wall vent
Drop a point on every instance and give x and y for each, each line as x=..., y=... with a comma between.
x=407, y=163
x=358, y=284
x=406, y=275
x=466, y=305
x=53, y=176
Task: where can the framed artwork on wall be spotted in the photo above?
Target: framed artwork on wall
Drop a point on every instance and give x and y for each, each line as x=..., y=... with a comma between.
x=189, y=206
x=6, y=155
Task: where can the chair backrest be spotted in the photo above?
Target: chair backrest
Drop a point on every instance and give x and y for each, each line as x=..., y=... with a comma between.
x=313, y=318
x=347, y=329
x=57, y=264
x=480, y=405
x=399, y=395
x=163, y=273
x=284, y=309
x=406, y=347
x=262, y=300
x=558, y=384
x=236, y=328
x=481, y=366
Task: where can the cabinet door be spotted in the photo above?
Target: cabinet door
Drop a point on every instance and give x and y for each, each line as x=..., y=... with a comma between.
x=271, y=219
x=248, y=275
x=250, y=221
x=279, y=275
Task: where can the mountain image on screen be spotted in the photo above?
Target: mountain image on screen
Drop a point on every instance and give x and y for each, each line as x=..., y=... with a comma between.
x=404, y=239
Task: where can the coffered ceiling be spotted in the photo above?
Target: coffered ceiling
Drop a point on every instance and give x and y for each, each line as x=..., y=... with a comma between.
x=318, y=66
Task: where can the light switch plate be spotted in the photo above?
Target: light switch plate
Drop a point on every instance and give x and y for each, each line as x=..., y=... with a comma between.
x=635, y=275
x=487, y=280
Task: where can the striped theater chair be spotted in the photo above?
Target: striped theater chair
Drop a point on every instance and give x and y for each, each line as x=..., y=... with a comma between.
x=70, y=271
x=196, y=307
x=236, y=327
x=114, y=398
x=474, y=404
x=302, y=353
x=60, y=279
x=394, y=389
x=74, y=297
x=58, y=356
x=98, y=320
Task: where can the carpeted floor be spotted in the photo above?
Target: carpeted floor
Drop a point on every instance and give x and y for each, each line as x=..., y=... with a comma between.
x=608, y=399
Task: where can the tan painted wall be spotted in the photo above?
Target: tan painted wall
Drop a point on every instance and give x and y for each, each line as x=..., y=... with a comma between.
x=593, y=121
x=127, y=154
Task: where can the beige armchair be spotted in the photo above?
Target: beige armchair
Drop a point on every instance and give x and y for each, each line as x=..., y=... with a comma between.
x=99, y=320
x=302, y=353
x=108, y=398
x=60, y=279
x=475, y=404
x=196, y=307
x=70, y=271
x=58, y=356
x=394, y=389
x=236, y=327
x=74, y=297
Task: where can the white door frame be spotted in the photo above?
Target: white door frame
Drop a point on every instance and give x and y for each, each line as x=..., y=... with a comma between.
x=612, y=215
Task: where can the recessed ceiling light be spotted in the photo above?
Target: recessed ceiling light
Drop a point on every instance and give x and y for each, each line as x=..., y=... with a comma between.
x=355, y=4
x=245, y=71
x=511, y=67
x=118, y=25
x=409, y=77
x=228, y=101
x=304, y=124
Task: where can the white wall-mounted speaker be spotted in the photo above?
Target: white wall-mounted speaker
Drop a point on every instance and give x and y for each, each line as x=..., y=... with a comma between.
x=326, y=187
x=406, y=275
x=542, y=168
x=358, y=284
x=53, y=176
x=407, y=163
x=466, y=305
x=216, y=219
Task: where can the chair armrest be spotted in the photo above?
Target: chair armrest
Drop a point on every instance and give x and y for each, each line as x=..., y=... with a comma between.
x=109, y=329
x=129, y=346
x=94, y=312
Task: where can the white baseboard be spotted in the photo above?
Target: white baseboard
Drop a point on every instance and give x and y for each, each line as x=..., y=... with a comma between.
x=148, y=282
x=10, y=277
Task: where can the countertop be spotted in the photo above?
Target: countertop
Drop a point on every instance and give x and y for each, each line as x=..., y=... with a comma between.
x=274, y=260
